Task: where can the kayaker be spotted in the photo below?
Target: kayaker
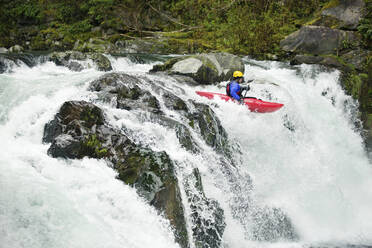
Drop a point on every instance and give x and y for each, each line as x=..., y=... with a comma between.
x=233, y=89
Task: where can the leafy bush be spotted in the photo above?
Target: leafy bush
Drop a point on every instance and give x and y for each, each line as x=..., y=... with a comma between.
x=365, y=25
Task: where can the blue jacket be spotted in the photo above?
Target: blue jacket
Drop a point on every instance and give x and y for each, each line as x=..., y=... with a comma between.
x=235, y=90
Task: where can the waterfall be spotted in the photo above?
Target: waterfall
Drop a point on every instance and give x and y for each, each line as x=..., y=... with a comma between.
x=302, y=169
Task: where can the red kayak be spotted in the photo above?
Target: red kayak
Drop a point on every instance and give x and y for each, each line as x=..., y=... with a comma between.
x=255, y=105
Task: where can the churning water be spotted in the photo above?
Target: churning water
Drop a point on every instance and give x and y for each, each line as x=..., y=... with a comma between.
x=306, y=159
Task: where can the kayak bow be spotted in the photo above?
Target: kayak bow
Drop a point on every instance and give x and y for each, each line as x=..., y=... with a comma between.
x=253, y=104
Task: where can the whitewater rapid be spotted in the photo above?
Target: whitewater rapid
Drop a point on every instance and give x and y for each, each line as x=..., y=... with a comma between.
x=306, y=159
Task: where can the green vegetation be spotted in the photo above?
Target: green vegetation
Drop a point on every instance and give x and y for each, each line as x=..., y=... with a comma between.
x=94, y=147
x=365, y=25
x=250, y=27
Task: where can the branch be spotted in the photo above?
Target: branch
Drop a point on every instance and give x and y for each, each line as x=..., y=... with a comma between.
x=166, y=16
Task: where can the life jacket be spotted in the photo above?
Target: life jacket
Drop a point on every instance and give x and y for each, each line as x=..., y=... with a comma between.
x=228, y=89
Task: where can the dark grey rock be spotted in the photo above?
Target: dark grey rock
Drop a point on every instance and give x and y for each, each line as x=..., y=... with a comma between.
x=205, y=120
x=75, y=66
x=348, y=12
x=79, y=130
x=319, y=40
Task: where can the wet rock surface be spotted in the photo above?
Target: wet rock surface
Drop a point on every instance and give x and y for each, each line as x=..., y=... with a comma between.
x=79, y=130
x=73, y=60
x=206, y=214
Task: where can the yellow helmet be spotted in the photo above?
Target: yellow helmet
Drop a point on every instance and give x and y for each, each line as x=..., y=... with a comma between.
x=237, y=74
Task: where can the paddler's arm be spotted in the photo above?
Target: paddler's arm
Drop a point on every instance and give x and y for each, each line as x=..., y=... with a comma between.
x=234, y=91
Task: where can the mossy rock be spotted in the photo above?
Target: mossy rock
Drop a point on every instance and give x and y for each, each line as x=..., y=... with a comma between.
x=79, y=130
x=103, y=63
x=152, y=174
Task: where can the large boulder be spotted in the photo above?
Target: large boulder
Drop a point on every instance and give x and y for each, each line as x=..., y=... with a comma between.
x=80, y=130
x=319, y=40
x=347, y=12
x=203, y=68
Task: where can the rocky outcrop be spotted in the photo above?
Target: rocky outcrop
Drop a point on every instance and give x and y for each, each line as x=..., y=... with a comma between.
x=206, y=214
x=329, y=61
x=80, y=130
x=348, y=13
x=8, y=60
x=72, y=60
x=125, y=92
x=319, y=40
x=203, y=68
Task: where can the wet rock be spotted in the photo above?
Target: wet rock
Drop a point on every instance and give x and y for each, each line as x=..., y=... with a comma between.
x=125, y=89
x=75, y=66
x=64, y=59
x=124, y=92
x=182, y=132
x=71, y=60
x=319, y=40
x=207, y=217
x=79, y=130
x=102, y=63
x=203, y=68
x=347, y=12
x=173, y=102
x=211, y=130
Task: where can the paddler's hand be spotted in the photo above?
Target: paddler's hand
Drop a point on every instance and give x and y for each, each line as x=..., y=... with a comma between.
x=247, y=88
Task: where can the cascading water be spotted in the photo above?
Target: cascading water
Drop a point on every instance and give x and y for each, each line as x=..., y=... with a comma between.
x=305, y=162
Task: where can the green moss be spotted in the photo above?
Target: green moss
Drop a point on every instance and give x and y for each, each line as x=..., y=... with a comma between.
x=192, y=124
x=353, y=85
x=331, y=4
x=93, y=147
x=91, y=116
